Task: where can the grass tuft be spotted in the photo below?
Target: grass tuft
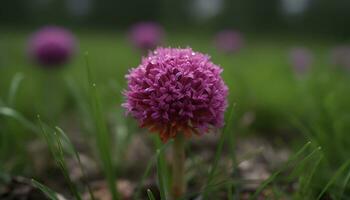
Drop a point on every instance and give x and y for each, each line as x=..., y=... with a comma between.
x=55, y=146
x=336, y=175
x=274, y=175
x=219, y=149
x=73, y=151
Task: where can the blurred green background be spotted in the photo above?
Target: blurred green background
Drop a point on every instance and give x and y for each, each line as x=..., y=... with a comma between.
x=285, y=16
x=261, y=72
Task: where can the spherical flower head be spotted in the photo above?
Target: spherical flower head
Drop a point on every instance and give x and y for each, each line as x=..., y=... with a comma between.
x=51, y=46
x=146, y=35
x=228, y=41
x=301, y=59
x=176, y=91
x=340, y=56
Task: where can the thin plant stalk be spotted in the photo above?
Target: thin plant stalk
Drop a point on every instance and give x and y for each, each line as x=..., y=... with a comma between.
x=163, y=164
x=161, y=177
x=336, y=175
x=55, y=146
x=47, y=191
x=158, y=158
x=77, y=156
x=102, y=137
x=178, y=167
x=219, y=149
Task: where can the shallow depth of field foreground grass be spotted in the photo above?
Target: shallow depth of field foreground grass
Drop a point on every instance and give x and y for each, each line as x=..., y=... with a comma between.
x=287, y=137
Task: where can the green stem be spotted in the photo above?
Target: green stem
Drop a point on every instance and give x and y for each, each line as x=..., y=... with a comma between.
x=178, y=164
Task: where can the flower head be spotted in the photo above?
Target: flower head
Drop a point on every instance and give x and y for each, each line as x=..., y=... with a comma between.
x=228, y=41
x=51, y=46
x=300, y=59
x=176, y=91
x=146, y=35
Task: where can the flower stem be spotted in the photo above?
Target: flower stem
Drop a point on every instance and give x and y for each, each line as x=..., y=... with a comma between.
x=178, y=167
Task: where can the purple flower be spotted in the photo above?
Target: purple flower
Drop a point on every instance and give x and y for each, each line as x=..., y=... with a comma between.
x=340, y=56
x=51, y=46
x=146, y=35
x=301, y=59
x=228, y=41
x=176, y=91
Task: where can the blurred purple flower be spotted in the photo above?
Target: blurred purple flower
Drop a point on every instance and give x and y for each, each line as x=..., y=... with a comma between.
x=176, y=91
x=340, y=56
x=51, y=46
x=228, y=41
x=301, y=60
x=146, y=35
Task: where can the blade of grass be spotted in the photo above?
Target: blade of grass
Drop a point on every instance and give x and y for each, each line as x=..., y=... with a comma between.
x=219, y=149
x=76, y=154
x=274, y=175
x=101, y=134
x=141, y=182
x=46, y=190
x=55, y=146
x=166, y=172
x=150, y=195
x=221, y=145
x=345, y=183
x=148, y=168
x=302, y=162
x=161, y=178
x=209, y=188
x=48, y=138
x=9, y=112
x=229, y=192
x=64, y=168
x=231, y=139
x=231, y=146
x=305, y=184
x=15, y=83
x=334, y=178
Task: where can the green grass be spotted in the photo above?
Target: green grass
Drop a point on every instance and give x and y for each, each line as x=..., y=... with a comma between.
x=260, y=81
x=101, y=134
x=224, y=136
x=47, y=191
x=54, y=141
